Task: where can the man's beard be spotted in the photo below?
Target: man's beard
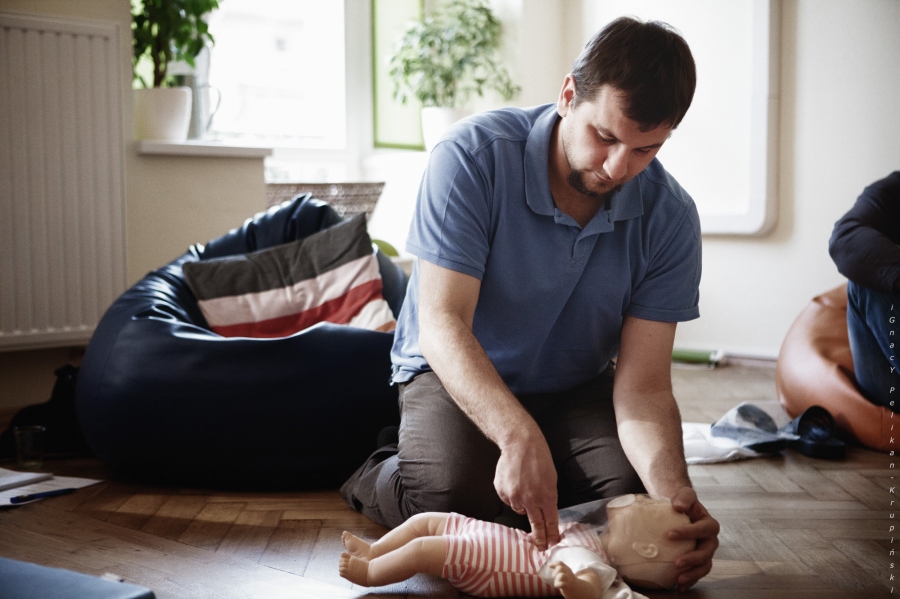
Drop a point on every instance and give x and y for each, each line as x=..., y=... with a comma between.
x=575, y=178
x=576, y=181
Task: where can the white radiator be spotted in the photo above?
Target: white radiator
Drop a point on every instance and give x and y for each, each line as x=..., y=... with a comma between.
x=62, y=246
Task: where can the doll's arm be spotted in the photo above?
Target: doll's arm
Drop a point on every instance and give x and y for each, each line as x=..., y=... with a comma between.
x=589, y=584
x=584, y=585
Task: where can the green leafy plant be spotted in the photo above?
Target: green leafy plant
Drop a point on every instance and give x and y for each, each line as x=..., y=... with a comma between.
x=444, y=59
x=167, y=30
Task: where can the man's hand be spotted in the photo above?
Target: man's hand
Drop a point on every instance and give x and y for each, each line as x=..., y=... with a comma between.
x=704, y=528
x=525, y=480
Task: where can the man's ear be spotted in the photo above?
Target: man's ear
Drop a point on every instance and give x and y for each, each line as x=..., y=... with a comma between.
x=648, y=550
x=566, y=95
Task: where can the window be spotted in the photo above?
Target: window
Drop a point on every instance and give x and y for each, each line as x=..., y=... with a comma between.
x=282, y=70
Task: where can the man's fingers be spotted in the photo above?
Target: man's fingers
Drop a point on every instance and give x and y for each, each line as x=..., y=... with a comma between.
x=685, y=498
x=698, y=560
x=695, y=565
x=536, y=519
x=545, y=530
x=688, y=579
x=702, y=555
x=552, y=527
x=702, y=529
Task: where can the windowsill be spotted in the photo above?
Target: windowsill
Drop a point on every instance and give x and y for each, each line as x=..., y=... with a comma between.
x=201, y=147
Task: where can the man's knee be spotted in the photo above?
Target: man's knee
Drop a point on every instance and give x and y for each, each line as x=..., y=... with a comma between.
x=600, y=473
x=446, y=463
x=624, y=482
x=867, y=302
x=447, y=492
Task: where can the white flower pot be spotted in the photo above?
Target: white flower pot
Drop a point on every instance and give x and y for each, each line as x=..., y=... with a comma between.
x=162, y=113
x=436, y=120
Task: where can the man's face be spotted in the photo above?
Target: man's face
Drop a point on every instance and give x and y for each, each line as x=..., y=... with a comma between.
x=603, y=149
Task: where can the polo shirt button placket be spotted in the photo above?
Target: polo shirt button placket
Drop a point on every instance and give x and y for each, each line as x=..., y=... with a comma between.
x=578, y=254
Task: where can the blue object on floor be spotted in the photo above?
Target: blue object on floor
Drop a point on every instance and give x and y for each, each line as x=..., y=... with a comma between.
x=751, y=427
x=161, y=396
x=22, y=580
x=815, y=431
x=755, y=428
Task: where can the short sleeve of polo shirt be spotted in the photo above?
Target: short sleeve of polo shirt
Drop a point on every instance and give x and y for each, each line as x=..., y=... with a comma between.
x=450, y=224
x=669, y=290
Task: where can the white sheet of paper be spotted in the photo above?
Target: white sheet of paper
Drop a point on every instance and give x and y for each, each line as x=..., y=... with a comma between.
x=52, y=484
x=10, y=479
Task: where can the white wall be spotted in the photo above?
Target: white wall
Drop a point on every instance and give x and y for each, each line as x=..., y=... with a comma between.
x=839, y=131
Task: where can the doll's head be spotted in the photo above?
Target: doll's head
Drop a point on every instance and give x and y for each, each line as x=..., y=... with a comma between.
x=636, y=543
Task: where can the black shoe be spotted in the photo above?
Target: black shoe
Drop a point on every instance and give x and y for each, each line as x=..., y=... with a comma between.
x=63, y=438
x=389, y=435
x=815, y=428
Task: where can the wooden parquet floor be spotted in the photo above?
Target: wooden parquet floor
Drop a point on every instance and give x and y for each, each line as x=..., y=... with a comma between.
x=792, y=527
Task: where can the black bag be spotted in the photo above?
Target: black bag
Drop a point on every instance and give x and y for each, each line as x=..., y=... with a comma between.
x=63, y=438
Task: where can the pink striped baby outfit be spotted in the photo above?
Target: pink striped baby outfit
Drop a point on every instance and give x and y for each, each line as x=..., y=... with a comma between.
x=492, y=560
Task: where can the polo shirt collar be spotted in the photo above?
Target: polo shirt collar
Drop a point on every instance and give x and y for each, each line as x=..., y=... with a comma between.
x=537, y=152
x=626, y=204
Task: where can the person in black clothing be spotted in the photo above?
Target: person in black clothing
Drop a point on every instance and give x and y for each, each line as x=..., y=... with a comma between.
x=865, y=246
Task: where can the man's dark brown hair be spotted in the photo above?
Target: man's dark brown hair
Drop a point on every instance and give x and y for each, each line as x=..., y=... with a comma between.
x=650, y=63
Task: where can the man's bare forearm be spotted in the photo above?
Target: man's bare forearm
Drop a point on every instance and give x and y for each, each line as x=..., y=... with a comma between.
x=453, y=352
x=646, y=413
x=650, y=433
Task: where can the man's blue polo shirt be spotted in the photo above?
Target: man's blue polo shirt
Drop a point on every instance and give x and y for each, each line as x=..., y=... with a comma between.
x=553, y=295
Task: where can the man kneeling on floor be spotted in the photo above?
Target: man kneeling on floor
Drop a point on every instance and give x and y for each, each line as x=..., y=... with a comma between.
x=550, y=241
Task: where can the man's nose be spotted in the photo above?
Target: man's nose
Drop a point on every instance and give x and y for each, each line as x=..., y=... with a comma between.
x=616, y=164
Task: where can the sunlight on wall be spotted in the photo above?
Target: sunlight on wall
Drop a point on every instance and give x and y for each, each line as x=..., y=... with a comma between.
x=723, y=153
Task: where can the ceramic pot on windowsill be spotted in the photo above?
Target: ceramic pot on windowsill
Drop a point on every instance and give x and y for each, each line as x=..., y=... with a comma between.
x=436, y=120
x=162, y=113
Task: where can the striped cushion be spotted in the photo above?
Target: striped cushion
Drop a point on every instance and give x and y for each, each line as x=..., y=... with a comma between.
x=330, y=276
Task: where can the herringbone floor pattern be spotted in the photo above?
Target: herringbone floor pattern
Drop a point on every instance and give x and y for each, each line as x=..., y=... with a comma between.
x=792, y=527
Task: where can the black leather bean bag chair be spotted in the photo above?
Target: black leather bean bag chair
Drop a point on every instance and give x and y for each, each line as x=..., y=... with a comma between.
x=161, y=397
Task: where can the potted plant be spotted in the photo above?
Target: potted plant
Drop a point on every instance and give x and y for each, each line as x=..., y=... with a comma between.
x=165, y=31
x=445, y=59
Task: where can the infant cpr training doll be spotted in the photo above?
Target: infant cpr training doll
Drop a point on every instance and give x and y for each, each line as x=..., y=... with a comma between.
x=491, y=560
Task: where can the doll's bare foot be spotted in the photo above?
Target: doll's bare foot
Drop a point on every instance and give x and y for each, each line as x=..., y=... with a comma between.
x=355, y=569
x=355, y=546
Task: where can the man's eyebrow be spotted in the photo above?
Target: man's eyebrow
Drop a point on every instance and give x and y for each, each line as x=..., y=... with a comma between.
x=607, y=133
x=660, y=144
